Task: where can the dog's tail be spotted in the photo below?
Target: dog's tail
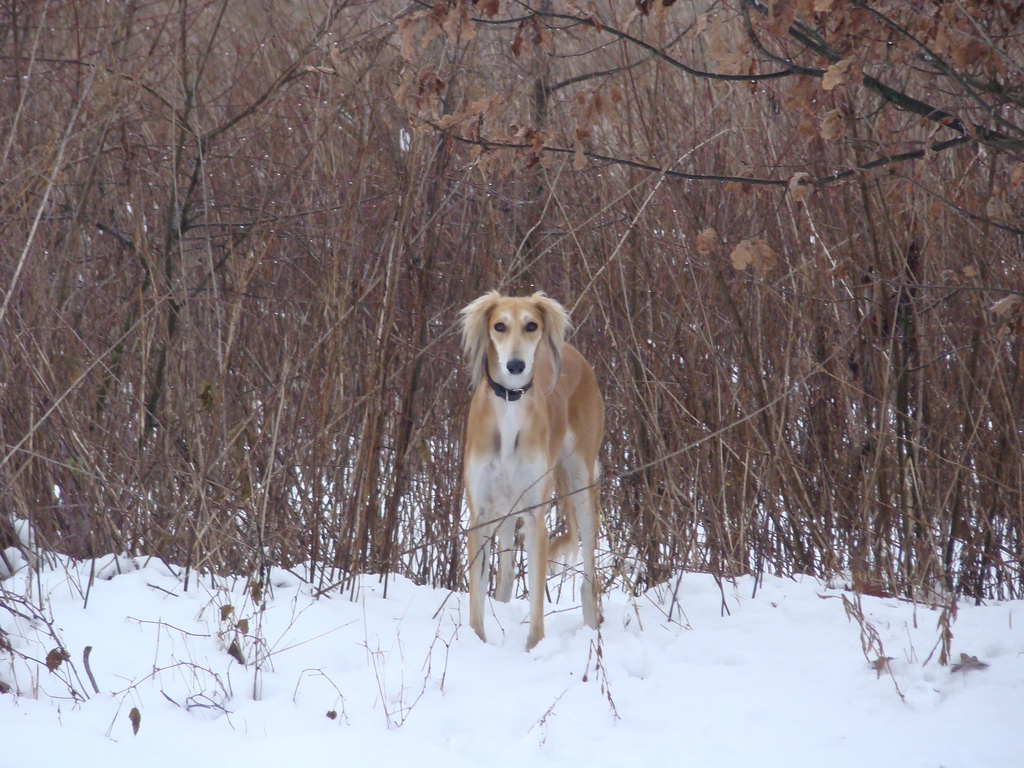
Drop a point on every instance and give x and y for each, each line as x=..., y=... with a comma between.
x=564, y=548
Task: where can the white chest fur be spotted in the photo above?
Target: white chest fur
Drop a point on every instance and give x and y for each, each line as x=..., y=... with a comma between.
x=505, y=478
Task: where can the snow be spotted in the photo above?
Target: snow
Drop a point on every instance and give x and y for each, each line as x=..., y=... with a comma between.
x=776, y=679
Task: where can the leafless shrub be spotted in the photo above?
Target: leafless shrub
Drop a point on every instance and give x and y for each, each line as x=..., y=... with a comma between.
x=235, y=239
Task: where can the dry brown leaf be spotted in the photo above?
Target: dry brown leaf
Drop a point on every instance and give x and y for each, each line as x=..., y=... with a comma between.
x=833, y=125
x=136, y=719
x=753, y=252
x=997, y=208
x=55, y=658
x=537, y=142
x=479, y=106
x=579, y=160
x=881, y=664
x=840, y=271
x=780, y=16
x=806, y=129
x=336, y=59
x=516, y=46
x=235, y=652
x=407, y=36
x=706, y=241
x=1017, y=175
x=967, y=663
x=803, y=94
x=836, y=74
x=457, y=24
x=823, y=5
x=720, y=46
x=800, y=185
x=429, y=32
x=940, y=42
x=495, y=161
x=488, y=8
x=1007, y=305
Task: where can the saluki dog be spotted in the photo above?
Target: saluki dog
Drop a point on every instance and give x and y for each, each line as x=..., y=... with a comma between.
x=535, y=426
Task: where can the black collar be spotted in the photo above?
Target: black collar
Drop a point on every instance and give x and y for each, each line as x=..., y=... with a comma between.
x=506, y=394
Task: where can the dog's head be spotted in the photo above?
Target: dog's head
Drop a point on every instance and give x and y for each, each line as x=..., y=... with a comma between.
x=508, y=331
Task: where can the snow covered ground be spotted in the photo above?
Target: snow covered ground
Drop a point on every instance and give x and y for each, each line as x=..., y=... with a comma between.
x=353, y=678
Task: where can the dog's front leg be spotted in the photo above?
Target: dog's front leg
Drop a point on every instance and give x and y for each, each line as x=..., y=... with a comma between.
x=506, y=556
x=588, y=516
x=536, y=534
x=479, y=555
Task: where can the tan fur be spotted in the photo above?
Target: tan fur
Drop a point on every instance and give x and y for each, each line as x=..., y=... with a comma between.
x=517, y=453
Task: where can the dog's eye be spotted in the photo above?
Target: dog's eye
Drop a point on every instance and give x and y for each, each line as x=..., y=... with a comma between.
x=531, y=327
x=499, y=327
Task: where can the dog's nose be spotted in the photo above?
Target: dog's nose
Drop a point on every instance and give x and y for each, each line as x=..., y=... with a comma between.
x=515, y=367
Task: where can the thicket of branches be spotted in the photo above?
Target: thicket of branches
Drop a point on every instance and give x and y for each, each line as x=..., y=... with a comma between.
x=234, y=239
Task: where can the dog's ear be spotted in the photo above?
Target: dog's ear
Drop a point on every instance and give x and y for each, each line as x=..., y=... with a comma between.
x=556, y=326
x=474, y=320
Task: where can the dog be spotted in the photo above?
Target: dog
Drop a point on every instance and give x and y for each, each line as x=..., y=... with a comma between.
x=535, y=424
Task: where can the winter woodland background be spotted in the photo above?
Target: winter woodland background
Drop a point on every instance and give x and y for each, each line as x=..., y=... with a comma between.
x=234, y=239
